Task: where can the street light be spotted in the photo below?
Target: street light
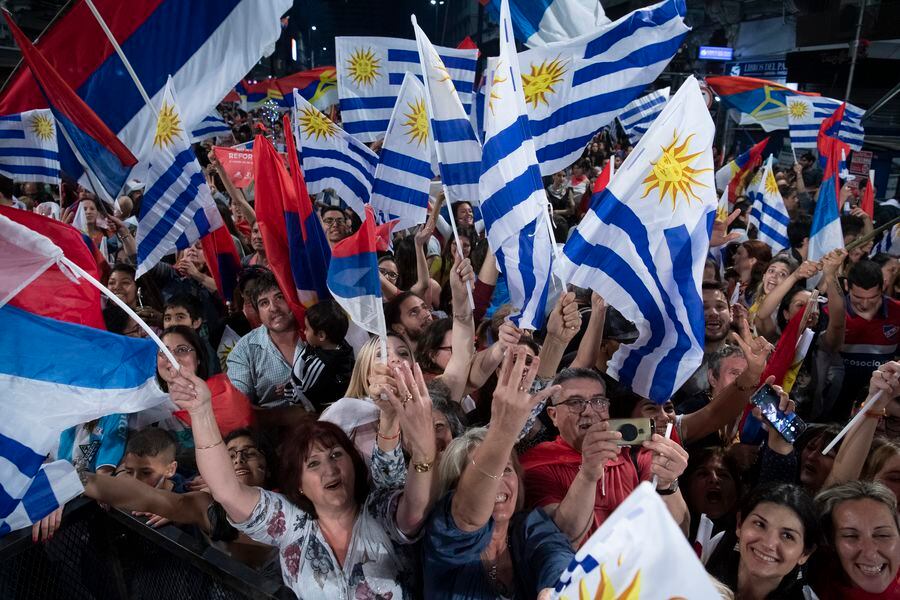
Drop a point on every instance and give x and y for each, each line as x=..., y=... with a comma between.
x=313, y=27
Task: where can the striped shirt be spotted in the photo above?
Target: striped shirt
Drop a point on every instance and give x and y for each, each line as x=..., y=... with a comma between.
x=256, y=367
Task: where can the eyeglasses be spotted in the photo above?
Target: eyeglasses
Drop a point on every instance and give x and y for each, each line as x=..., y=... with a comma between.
x=447, y=348
x=245, y=453
x=333, y=221
x=389, y=274
x=177, y=351
x=578, y=405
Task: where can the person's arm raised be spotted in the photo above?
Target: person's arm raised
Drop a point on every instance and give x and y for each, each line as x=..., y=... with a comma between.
x=588, y=349
x=462, y=336
x=422, y=287
x=476, y=491
x=833, y=338
x=562, y=325
x=190, y=393
x=487, y=361
x=773, y=299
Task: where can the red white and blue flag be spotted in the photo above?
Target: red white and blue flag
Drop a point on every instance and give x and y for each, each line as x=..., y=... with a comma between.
x=353, y=277
x=731, y=176
x=90, y=143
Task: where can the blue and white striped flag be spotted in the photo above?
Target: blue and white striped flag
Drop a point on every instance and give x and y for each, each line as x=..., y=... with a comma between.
x=332, y=158
x=404, y=172
x=514, y=204
x=639, y=114
x=644, y=244
x=177, y=209
x=370, y=71
x=805, y=116
x=456, y=145
x=476, y=111
x=767, y=211
x=541, y=22
x=889, y=242
x=28, y=150
x=574, y=90
x=212, y=125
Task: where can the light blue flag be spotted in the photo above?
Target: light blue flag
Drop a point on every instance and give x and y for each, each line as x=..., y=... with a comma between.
x=643, y=246
x=573, y=90
x=805, y=116
x=332, y=158
x=767, y=211
x=28, y=150
x=456, y=145
x=404, y=172
x=212, y=125
x=541, y=22
x=177, y=209
x=639, y=114
x=514, y=204
x=370, y=71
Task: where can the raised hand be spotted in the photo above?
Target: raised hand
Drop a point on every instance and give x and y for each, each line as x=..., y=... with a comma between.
x=461, y=273
x=565, y=320
x=413, y=409
x=807, y=269
x=669, y=460
x=756, y=350
x=720, y=235
x=598, y=447
x=512, y=402
x=190, y=393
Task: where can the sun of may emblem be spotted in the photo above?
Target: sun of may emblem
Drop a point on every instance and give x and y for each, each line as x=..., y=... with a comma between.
x=416, y=122
x=541, y=80
x=673, y=174
x=495, y=81
x=314, y=123
x=605, y=590
x=798, y=110
x=364, y=67
x=42, y=127
x=168, y=126
x=771, y=186
x=438, y=65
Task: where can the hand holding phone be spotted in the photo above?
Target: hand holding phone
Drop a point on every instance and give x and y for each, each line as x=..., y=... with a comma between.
x=785, y=422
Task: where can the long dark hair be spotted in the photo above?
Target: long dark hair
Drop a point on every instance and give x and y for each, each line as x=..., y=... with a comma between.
x=194, y=341
x=296, y=448
x=430, y=344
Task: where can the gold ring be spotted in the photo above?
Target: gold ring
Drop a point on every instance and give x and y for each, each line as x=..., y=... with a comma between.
x=408, y=397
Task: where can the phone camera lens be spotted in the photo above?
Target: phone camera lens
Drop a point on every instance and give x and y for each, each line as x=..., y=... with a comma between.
x=629, y=432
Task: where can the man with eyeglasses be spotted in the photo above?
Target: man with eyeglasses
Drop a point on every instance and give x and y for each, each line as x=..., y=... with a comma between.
x=335, y=223
x=583, y=475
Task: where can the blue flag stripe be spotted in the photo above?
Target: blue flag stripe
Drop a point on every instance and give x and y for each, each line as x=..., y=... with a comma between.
x=637, y=110
x=643, y=18
x=12, y=134
x=29, y=153
x=408, y=164
x=452, y=130
x=586, y=107
x=504, y=142
x=412, y=56
x=354, y=127
x=460, y=173
x=508, y=197
x=352, y=183
x=367, y=103
x=352, y=265
x=642, y=57
x=309, y=153
x=164, y=225
x=400, y=193
x=29, y=170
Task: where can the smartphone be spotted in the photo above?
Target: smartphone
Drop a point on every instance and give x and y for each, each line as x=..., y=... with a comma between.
x=790, y=426
x=634, y=431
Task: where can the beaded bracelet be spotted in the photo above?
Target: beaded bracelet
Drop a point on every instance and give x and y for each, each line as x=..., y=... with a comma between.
x=485, y=473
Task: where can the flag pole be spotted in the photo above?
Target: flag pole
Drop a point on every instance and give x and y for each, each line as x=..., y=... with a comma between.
x=856, y=419
x=128, y=310
x=456, y=239
x=124, y=59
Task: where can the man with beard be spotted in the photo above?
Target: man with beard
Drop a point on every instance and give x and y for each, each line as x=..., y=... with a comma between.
x=717, y=314
x=583, y=475
x=260, y=363
x=408, y=315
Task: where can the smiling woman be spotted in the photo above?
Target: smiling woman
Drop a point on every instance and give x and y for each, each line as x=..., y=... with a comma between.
x=777, y=532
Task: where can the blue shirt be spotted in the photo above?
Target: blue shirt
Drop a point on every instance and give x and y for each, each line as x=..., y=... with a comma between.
x=452, y=557
x=102, y=446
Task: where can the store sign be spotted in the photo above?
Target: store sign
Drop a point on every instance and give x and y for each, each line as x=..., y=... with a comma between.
x=716, y=53
x=759, y=68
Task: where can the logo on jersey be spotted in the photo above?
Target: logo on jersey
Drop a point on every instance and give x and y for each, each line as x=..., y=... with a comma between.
x=890, y=330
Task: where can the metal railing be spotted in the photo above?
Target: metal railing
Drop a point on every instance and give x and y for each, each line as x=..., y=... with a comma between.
x=99, y=554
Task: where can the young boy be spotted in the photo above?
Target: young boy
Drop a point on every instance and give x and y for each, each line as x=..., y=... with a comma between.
x=150, y=458
x=324, y=363
x=184, y=309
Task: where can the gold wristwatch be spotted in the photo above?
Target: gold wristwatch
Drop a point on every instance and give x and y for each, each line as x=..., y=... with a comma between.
x=424, y=466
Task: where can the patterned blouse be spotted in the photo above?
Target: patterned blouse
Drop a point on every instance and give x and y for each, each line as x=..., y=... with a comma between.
x=376, y=564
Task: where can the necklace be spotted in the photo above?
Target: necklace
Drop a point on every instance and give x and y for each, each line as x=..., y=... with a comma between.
x=490, y=567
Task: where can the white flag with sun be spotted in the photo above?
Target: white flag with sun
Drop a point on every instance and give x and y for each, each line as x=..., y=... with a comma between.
x=177, y=208
x=28, y=150
x=407, y=162
x=370, y=71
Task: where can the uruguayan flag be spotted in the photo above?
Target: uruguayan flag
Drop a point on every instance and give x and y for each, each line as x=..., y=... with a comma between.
x=889, y=243
x=514, y=204
x=332, y=158
x=28, y=150
x=177, y=209
x=805, y=116
x=370, y=71
x=476, y=112
x=404, y=171
x=768, y=212
x=541, y=22
x=644, y=244
x=638, y=115
x=573, y=90
x=212, y=125
x=456, y=145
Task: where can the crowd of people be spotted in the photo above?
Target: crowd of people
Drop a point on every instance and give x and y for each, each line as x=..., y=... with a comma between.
x=474, y=458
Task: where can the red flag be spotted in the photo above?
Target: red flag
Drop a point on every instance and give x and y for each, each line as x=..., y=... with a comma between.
x=53, y=294
x=223, y=260
x=868, y=199
x=468, y=44
x=599, y=185
x=383, y=235
x=275, y=191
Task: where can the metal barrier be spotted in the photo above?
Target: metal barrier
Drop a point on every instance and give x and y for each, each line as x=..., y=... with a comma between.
x=108, y=555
